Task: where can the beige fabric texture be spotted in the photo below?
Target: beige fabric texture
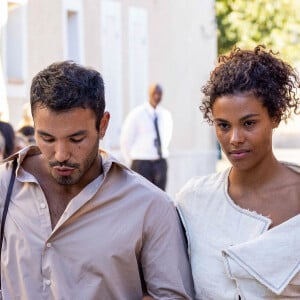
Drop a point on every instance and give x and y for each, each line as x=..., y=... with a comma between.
x=118, y=226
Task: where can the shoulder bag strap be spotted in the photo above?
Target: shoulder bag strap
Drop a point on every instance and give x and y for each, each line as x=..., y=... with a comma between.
x=5, y=209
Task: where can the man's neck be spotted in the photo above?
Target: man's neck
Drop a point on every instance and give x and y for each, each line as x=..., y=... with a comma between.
x=153, y=106
x=91, y=174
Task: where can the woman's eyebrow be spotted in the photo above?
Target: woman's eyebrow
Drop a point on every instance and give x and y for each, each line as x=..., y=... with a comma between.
x=249, y=116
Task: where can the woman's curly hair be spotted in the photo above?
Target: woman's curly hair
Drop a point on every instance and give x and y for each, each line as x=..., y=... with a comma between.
x=260, y=72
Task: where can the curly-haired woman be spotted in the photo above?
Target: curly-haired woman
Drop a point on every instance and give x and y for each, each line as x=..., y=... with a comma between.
x=243, y=224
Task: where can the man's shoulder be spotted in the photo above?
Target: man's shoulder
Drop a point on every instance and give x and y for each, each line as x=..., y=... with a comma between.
x=142, y=190
x=5, y=174
x=5, y=168
x=164, y=111
x=146, y=188
x=26, y=156
x=137, y=110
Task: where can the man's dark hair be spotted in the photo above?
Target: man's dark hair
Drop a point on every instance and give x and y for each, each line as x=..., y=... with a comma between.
x=66, y=85
x=260, y=72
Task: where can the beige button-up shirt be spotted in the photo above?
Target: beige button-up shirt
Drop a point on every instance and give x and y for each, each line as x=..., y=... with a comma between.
x=117, y=229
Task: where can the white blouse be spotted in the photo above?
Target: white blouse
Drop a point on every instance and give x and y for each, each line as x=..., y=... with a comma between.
x=232, y=252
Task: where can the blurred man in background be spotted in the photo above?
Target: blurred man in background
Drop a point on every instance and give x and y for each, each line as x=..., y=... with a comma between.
x=146, y=136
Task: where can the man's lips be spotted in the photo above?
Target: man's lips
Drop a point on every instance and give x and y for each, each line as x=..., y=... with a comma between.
x=63, y=171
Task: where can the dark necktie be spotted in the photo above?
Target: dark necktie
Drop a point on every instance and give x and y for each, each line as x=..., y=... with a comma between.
x=157, y=140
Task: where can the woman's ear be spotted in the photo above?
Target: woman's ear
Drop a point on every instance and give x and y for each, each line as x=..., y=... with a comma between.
x=275, y=122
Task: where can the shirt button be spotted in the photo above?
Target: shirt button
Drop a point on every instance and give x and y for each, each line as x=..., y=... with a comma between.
x=43, y=205
x=48, y=282
x=49, y=245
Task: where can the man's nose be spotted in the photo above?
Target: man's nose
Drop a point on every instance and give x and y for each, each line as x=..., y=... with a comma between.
x=62, y=152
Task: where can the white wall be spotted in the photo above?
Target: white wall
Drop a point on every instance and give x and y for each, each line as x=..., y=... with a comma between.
x=133, y=43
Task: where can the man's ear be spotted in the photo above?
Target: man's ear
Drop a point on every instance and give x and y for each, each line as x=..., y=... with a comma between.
x=104, y=124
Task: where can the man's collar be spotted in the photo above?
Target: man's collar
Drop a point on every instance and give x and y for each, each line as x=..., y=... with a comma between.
x=107, y=159
x=150, y=108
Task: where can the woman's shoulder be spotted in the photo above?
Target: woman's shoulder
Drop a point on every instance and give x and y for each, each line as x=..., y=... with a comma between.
x=200, y=186
x=291, y=166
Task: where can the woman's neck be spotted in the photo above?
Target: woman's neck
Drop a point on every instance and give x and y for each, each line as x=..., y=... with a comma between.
x=258, y=175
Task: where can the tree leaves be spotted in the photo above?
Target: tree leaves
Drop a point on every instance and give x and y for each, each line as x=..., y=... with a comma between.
x=246, y=24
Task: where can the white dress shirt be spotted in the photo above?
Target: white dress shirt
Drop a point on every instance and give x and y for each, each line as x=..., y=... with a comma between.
x=138, y=133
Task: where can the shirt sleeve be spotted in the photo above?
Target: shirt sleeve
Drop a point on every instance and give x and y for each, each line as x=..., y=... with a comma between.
x=164, y=260
x=169, y=128
x=127, y=137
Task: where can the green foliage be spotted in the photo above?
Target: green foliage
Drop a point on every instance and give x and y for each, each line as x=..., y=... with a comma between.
x=246, y=24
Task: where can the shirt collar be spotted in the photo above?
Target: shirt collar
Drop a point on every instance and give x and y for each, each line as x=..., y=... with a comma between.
x=151, y=109
x=272, y=258
x=107, y=160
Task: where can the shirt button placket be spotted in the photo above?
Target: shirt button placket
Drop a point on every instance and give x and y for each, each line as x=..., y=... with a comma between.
x=46, y=272
x=48, y=282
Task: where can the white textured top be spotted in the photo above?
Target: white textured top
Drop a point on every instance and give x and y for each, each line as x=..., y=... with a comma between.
x=232, y=252
x=138, y=133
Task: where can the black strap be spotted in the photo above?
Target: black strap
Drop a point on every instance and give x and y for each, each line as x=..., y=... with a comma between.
x=5, y=209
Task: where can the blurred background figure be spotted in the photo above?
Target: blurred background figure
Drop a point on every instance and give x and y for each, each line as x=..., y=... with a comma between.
x=2, y=146
x=27, y=133
x=8, y=134
x=26, y=119
x=146, y=136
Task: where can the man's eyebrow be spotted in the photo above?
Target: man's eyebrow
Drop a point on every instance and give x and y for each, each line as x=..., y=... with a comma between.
x=41, y=132
x=80, y=132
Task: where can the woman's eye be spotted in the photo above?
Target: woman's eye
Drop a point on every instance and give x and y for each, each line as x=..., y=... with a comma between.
x=249, y=123
x=223, y=125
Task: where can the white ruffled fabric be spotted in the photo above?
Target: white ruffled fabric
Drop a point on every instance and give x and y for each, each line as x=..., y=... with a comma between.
x=232, y=252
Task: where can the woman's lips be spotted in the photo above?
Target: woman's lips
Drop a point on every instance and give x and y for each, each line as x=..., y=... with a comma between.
x=239, y=154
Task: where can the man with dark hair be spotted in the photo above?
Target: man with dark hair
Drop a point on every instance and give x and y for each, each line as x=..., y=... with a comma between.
x=80, y=224
x=145, y=138
x=27, y=132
